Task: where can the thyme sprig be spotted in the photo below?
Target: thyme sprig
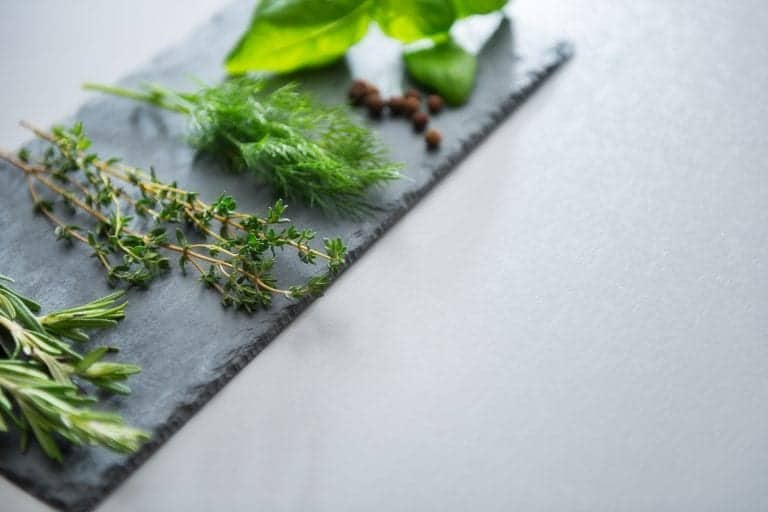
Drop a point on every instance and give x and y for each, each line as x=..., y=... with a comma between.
x=307, y=152
x=235, y=253
x=40, y=370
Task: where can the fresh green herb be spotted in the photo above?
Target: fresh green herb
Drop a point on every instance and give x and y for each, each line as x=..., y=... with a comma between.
x=286, y=35
x=40, y=371
x=445, y=63
x=466, y=8
x=415, y=20
x=239, y=250
x=307, y=152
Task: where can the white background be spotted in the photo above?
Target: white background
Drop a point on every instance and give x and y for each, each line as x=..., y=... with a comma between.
x=576, y=319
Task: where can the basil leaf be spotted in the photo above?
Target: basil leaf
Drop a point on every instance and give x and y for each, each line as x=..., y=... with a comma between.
x=286, y=35
x=446, y=68
x=416, y=19
x=466, y=8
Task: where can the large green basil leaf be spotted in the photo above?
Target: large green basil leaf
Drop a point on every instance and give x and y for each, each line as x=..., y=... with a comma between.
x=286, y=35
x=446, y=68
x=466, y=8
x=412, y=20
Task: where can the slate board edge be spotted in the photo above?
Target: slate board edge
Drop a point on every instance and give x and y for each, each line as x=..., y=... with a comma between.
x=551, y=61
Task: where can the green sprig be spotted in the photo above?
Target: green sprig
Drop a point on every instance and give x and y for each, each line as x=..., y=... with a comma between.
x=307, y=152
x=40, y=371
x=233, y=252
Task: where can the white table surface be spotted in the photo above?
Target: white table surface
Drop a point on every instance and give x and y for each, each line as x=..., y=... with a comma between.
x=575, y=320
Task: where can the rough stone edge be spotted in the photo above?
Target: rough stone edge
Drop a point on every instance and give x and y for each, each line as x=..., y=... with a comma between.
x=551, y=60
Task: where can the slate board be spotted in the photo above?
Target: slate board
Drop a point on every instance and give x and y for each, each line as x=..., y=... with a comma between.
x=187, y=344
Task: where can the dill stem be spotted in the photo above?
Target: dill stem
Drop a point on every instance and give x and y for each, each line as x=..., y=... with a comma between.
x=155, y=97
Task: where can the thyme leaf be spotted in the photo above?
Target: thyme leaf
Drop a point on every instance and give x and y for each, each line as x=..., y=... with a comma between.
x=233, y=252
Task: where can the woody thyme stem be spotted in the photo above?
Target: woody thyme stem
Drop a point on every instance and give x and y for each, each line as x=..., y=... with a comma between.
x=83, y=180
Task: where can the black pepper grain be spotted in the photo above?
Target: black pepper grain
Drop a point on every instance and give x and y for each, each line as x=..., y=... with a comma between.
x=412, y=105
x=435, y=103
x=420, y=121
x=433, y=138
x=357, y=91
x=375, y=104
x=396, y=105
x=413, y=93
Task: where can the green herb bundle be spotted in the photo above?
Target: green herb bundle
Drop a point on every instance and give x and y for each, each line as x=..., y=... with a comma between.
x=307, y=152
x=40, y=371
x=286, y=35
x=233, y=252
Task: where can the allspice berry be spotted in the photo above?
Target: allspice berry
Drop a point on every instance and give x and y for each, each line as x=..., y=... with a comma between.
x=375, y=104
x=413, y=93
x=396, y=105
x=435, y=103
x=433, y=138
x=357, y=91
x=420, y=121
x=412, y=106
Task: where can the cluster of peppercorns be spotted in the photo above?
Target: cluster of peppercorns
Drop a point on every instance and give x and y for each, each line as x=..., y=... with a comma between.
x=362, y=92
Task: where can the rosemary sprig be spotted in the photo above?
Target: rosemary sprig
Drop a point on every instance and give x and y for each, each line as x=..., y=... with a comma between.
x=307, y=152
x=234, y=253
x=40, y=369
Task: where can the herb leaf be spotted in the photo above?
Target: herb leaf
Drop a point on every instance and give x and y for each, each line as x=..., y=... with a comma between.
x=306, y=151
x=286, y=35
x=42, y=375
x=239, y=249
x=466, y=8
x=417, y=19
x=446, y=68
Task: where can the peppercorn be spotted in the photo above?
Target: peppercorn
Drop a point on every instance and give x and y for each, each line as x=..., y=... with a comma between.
x=396, y=105
x=433, y=138
x=420, y=121
x=413, y=93
x=375, y=104
x=412, y=106
x=434, y=103
x=357, y=91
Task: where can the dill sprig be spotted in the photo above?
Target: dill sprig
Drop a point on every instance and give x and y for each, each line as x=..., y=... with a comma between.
x=233, y=252
x=40, y=371
x=307, y=152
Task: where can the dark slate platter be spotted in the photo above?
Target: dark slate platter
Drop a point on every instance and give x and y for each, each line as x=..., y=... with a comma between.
x=187, y=344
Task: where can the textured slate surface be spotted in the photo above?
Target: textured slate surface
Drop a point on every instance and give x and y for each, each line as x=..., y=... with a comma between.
x=189, y=346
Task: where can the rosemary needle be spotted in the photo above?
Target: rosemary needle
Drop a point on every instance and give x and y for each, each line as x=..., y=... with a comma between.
x=40, y=373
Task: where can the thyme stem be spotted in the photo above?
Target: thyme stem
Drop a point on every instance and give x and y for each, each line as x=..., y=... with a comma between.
x=240, y=263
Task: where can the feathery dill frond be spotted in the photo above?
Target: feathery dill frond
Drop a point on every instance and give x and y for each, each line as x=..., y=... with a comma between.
x=307, y=152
